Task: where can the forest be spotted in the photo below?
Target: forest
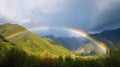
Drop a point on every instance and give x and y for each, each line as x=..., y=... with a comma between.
x=16, y=57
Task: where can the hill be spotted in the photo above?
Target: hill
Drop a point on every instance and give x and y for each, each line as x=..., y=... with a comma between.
x=89, y=49
x=30, y=42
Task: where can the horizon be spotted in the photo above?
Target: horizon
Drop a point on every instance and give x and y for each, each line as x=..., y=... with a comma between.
x=59, y=31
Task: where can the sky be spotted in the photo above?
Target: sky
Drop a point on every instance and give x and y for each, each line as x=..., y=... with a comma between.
x=89, y=15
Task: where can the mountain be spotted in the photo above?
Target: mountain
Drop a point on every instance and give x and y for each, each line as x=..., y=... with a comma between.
x=78, y=45
x=111, y=36
x=71, y=43
x=30, y=42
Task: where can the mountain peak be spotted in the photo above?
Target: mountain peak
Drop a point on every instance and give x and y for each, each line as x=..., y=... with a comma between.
x=49, y=36
x=8, y=24
x=8, y=29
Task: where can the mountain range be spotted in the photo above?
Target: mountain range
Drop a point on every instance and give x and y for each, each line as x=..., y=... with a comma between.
x=71, y=43
x=111, y=38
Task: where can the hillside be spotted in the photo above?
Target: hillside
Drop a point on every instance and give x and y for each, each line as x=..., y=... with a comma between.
x=89, y=49
x=5, y=43
x=30, y=42
x=5, y=47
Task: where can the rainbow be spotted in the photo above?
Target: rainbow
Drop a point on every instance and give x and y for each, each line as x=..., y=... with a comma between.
x=99, y=44
x=8, y=36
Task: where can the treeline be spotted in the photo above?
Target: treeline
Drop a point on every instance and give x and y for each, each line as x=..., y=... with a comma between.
x=16, y=57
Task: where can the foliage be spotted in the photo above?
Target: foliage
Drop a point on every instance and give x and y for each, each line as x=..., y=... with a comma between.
x=16, y=57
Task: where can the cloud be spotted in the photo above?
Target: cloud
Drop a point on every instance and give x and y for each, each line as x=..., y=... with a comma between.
x=19, y=10
x=69, y=13
x=73, y=13
x=108, y=17
x=88, y=15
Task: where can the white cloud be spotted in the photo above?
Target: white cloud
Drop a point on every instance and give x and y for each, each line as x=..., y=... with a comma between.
x=24, y=21
x=19, y=10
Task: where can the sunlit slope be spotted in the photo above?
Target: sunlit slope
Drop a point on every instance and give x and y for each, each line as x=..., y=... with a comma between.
x=30, y=42
x=89, y=49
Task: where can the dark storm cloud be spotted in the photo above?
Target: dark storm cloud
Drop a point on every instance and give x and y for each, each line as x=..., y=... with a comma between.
x=75, y=13
x=109, y=18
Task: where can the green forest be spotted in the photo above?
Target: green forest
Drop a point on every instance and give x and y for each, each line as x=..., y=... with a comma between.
x=16, y=57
